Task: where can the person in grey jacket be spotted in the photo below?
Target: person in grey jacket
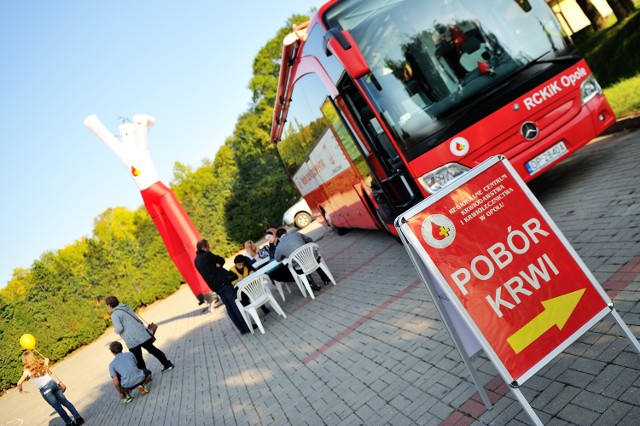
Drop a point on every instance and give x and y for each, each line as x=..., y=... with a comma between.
x=288, y=243
x=134, y=333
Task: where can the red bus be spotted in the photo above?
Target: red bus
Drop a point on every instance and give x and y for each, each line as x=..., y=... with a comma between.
x=382, y=102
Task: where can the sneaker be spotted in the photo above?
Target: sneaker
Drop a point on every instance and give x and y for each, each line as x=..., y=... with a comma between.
x=143, y=389
x=79, y=421
x=170, y=367
x=127, y=399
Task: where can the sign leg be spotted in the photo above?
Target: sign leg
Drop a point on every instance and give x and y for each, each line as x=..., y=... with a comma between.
x=527, y=407
x=626, y=329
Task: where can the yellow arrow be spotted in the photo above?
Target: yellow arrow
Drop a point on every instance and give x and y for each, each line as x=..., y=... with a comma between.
x=556, y=312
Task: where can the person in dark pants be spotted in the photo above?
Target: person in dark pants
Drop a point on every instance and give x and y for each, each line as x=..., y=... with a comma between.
x=125, y=373
x=219, y=280
x=134, y=333
x=38, y=371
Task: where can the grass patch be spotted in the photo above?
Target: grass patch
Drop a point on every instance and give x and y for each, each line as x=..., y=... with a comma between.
x=624, y=96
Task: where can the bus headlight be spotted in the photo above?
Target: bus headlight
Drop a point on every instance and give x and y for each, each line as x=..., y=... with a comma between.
x=589, y=89
x=436, y=179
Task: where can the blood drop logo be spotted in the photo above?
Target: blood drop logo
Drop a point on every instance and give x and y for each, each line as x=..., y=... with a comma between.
x=438, y=231
x=459, y=146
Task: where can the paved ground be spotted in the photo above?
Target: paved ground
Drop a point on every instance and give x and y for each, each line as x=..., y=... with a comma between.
x=372, y=350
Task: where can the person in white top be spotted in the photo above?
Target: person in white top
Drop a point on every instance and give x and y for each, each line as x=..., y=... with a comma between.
x=38, y=370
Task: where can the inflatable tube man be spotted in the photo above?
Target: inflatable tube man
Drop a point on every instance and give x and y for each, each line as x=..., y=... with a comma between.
x=174, y=225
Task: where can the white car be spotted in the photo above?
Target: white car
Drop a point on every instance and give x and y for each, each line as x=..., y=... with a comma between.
x=299, y=214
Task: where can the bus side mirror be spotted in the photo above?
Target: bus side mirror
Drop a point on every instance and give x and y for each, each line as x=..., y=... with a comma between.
x=344, y=47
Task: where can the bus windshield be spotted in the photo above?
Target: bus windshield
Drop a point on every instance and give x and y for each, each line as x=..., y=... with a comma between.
x=431, y=61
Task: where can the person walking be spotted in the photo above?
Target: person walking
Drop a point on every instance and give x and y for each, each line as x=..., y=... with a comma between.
x=134, y=333
x=219, y=280
x=125, y=373
x=38, y=370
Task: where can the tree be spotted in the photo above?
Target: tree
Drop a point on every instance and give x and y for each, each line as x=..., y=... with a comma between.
x=621, y=8
x=596, y=19
x=262, y=189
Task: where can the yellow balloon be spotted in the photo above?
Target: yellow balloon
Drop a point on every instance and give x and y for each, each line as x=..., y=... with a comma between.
x=27, y=341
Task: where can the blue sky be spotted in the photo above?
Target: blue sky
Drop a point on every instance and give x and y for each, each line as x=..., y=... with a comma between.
x=188, y=64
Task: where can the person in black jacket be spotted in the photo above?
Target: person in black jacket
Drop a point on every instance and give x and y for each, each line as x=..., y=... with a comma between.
x=219, y=280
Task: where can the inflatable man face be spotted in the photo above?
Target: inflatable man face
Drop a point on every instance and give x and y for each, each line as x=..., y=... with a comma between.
x=174, y=225
x=133, y=151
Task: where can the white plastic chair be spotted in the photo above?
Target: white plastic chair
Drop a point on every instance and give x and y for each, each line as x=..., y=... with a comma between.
x=279, y=285
x=305, y=259
x=258, y=293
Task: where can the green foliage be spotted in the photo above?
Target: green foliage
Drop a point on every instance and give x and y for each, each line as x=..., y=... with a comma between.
x=610, y=52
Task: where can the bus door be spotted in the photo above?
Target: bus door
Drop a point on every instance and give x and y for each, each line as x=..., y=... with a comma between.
x=393, y=190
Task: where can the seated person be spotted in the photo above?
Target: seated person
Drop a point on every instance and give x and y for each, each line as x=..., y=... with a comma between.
x=288, y=243
x=253, y=253
x=272, y=241
x=125, y=373
x=281, y=274
x=242, y=269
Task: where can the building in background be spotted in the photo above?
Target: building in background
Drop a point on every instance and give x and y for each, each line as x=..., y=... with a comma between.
x=571, y=16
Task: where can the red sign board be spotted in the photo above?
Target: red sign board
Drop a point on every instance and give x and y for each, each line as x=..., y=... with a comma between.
x=508, y=269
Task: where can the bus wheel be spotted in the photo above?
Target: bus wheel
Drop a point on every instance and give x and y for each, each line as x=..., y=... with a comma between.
x=302, y=219
x=337, y=230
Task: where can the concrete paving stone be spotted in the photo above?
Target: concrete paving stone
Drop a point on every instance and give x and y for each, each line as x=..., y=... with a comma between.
x=440, y=410
x=378, y=385
x=606, y=348
x=458, y=395
x=576, y=415
x=594, y=402
x=547, y=396
x=352, y=420
x=631, y=418
x=392, y=390
x=503, y=413
x=376, y=402
x=631, y=395
x=418, y=410
x=605, y=378
x=630, y=361
x=366, y=414
x=538, y=383
x=561, y=400
x=575, y=378
x=393, y=417
x=615, y=415
x=590, y=366
x=557, y=366
x=400, y=402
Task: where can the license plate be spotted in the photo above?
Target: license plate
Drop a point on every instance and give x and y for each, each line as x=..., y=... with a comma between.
x=553, y=153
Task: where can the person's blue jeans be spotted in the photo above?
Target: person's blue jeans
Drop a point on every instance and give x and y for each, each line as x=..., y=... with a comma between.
x=228, y=295
x=53, y=395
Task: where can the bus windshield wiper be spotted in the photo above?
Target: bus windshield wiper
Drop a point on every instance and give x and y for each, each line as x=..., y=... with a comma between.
x=517, y=73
